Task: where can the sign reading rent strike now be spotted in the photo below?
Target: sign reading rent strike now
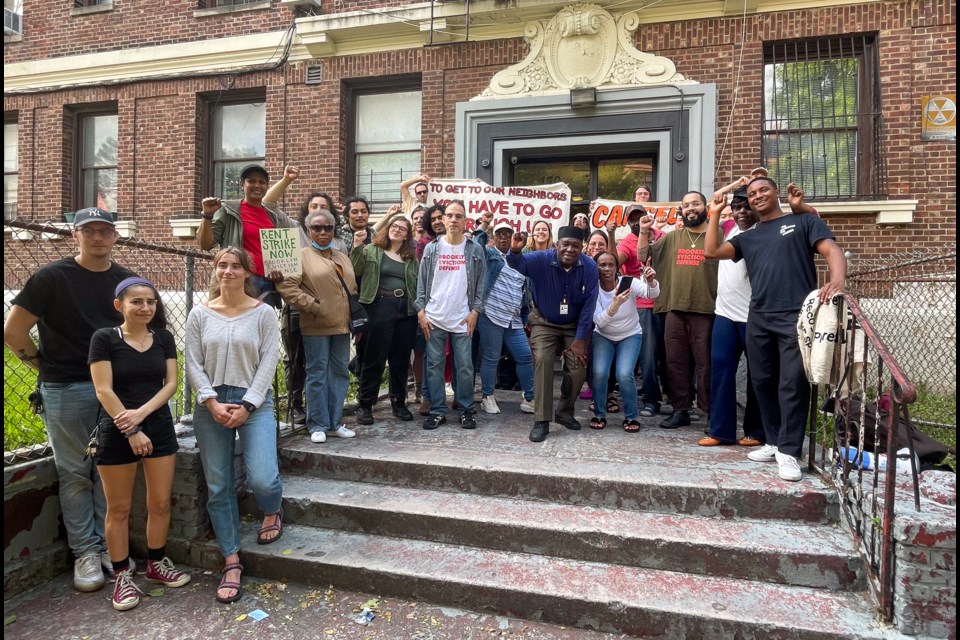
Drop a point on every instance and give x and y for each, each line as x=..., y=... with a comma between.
x=521, y=207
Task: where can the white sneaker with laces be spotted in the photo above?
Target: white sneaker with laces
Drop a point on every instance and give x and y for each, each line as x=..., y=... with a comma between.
x=87, y=572
x=766, y=453
x=448, y=389
x=789, y=467
x=318, y=436
x=108, y=566
x=489, y=404
x=342, y=432
x=526, y=406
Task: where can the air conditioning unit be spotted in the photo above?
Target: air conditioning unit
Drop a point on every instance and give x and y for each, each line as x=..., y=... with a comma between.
x=9, y=211
x=12, y=23
x=303, y=5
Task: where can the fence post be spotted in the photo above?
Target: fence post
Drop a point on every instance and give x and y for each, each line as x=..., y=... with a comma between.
x=188, y=305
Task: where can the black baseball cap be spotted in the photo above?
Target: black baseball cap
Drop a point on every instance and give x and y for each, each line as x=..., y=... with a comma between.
x=92, y=214
x=253, y=168
x=635, y=210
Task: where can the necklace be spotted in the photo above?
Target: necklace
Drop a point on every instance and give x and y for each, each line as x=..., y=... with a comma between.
x=693, y=241
x=142, y=344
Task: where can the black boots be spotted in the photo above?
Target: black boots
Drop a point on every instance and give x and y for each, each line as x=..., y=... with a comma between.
x=399, y=406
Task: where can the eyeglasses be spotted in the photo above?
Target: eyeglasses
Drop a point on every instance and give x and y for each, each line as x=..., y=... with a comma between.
x=102, y=233
x=400, y=226
x=321, y=228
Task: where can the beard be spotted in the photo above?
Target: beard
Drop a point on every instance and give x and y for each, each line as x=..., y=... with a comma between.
x=695, y=220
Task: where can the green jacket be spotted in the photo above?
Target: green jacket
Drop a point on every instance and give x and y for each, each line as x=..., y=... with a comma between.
x=228, y=228
x=366, y=264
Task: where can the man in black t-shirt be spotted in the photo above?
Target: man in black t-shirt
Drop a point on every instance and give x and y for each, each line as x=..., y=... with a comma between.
x=779, y=254
x=67, y=301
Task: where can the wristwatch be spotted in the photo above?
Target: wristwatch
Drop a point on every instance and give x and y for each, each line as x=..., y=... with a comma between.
x=249, y=406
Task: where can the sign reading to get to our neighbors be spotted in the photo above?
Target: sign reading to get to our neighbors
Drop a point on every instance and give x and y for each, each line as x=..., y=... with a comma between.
x=521, y=207
x=281, y=250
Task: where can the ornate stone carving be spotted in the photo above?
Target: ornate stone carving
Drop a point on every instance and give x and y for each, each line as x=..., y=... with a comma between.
x=582, y=46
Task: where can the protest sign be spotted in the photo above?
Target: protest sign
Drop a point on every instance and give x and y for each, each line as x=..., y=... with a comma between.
x=601, y=211
x=521, y=207
x=281, y=250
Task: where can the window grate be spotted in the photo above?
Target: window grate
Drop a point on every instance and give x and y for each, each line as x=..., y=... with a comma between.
x=211, y=4
x=822, y=121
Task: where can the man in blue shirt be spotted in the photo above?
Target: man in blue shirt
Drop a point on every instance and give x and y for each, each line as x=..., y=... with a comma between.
x=565, y=293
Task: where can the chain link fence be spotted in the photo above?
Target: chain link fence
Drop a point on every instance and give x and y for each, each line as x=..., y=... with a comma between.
x=182, y=277
x=911, y=300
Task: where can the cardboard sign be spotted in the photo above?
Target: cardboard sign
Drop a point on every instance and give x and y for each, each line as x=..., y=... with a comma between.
x=521, y=207
x=281, y=251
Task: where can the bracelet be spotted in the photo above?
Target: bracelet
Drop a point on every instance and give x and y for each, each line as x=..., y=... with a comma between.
x=205, y=217
x=130, y=433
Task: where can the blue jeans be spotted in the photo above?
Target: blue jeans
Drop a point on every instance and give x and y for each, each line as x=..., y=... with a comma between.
x=460, y=345
x=492, y=339
x=70, y=414
x=648, y=359
x=728, y=344
x=258, y=443
x=625, y=354
x=327, y=380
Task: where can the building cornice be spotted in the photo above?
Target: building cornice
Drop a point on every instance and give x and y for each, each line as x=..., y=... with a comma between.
x=352, y=33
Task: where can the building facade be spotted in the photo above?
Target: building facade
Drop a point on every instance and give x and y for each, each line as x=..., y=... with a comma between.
x=144, y=108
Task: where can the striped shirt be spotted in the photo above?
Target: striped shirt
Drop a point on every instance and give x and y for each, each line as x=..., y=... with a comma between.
x=505, y=299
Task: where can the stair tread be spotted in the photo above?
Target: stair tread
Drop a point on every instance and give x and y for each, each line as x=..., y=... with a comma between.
x=773, y=607
x=761, y=536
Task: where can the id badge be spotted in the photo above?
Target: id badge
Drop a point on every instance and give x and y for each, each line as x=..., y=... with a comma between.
x=564, y=309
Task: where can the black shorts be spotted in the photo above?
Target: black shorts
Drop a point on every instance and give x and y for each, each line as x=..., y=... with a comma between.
x=113, y=448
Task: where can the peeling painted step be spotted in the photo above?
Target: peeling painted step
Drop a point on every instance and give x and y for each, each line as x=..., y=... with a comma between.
x=636, y=486
x=642, y=602
x=788, y=553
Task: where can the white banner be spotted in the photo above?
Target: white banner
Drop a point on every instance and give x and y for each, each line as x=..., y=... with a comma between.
x=601, y=211
x=521, y=207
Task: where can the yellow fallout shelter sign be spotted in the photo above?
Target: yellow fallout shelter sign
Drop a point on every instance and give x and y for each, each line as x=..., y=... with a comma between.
x=939, y=117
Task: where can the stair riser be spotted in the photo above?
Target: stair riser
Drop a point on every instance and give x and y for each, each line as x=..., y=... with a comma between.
x=640, y=549
x=612, y=617
x=660, y=498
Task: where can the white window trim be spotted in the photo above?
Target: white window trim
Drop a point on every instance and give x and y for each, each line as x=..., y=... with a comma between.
x=231, y=8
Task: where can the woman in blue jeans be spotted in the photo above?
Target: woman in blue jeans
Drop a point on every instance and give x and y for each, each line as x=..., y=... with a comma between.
x=617, y=337
x=231, y=353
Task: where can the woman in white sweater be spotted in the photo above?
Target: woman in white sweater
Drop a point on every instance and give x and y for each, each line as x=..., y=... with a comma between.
x=617, y=337
x=231, y=354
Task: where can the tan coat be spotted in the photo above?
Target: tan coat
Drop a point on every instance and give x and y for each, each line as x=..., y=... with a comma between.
x=318, y=294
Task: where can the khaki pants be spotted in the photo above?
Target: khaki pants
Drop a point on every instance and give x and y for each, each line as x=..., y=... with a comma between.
x=546, y=340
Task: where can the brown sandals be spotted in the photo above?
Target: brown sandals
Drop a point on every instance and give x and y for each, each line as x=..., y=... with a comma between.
x=229, y=584
x=270, y=528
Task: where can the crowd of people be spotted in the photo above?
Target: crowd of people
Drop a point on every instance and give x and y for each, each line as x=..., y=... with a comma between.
x=663, y=314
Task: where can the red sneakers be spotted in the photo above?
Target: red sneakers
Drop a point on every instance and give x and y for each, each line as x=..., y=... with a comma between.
x=126, y=595
x=166, y=574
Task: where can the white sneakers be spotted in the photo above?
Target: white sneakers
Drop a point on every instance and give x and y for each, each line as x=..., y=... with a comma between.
x=448, y=390
x=87, y=572
x=526, y=406
x=341, y=432
x=489, y=404
x=789, y=467
x=766, y=453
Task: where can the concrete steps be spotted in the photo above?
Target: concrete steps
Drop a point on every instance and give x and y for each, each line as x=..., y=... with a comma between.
x=608, y=597
x=614, y=533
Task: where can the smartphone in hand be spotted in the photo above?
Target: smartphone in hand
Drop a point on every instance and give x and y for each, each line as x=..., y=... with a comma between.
x=625, y=283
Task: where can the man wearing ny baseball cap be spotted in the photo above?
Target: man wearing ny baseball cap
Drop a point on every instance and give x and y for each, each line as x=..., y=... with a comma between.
x=67, y=301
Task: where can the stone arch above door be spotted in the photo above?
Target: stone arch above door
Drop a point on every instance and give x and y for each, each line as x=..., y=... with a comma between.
x=582, y=46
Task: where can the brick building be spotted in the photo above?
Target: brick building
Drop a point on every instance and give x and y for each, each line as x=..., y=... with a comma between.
x=146, y=107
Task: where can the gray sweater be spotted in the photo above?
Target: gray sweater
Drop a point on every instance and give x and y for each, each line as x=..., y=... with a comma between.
x=240, y=352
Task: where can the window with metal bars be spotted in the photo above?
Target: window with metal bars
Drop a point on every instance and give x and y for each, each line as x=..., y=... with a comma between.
x=822, y=120
x=80, y=4
x=210, y=4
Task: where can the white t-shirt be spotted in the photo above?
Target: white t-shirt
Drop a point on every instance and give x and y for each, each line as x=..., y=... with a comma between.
x=625, y=322
x=448, y=306
x=733, y=286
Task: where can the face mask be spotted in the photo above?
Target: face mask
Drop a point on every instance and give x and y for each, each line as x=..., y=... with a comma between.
x=319, y=248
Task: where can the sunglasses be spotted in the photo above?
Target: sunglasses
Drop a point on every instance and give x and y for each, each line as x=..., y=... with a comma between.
x=321, y=228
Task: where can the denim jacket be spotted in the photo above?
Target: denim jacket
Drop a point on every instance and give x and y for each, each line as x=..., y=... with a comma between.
x=476, y=275
x=495, y=264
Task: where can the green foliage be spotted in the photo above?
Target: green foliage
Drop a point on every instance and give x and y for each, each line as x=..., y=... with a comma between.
x=21, y=427
x=939, y=409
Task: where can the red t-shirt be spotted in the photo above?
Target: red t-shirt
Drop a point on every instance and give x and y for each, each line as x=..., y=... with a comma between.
x=254, y=219
x=633, y=266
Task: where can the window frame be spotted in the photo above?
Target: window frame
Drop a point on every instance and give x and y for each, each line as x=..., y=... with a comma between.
x=211, y=103
x=353, y=89
x=11, y=118
x=870, y=179
x=79, y=169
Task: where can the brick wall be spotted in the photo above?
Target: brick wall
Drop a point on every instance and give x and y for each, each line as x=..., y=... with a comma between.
x=163, y=123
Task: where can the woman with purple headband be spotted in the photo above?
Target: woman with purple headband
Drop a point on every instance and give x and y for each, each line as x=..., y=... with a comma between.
x=134, y=371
